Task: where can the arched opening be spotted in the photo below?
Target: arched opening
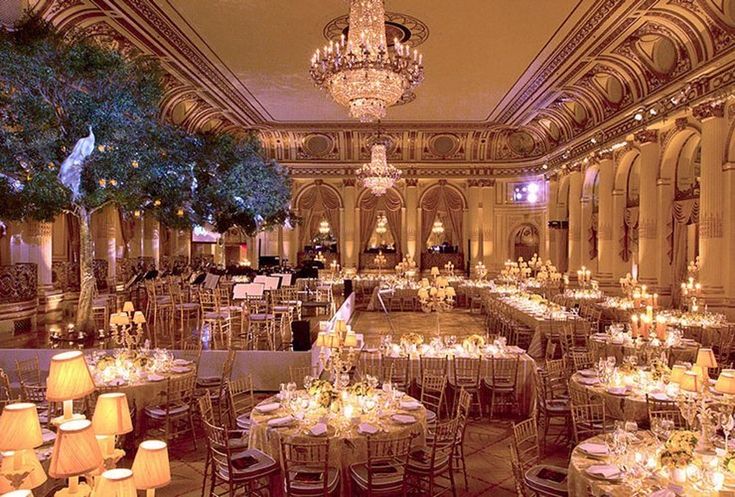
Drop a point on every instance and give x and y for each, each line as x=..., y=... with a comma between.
x=525, y=241
x=629, y=242
x=442, y=231
x=318, y=205
x=563, y=227
x=380, y=229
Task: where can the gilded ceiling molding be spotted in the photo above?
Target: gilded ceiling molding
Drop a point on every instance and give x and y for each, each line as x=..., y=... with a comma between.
x=646, y=136
x=707, y=110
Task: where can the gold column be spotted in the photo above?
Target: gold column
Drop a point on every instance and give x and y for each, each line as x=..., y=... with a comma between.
x=488, y=214
x=474, y=220
x=575, y=214
x=151, y=238
x=349, y=227
x=648, y=208
x=620, y=267
x=412, y=218
x=711, y=209
x=605, y=242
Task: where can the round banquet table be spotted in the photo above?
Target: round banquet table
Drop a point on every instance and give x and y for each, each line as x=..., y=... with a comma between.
x=629, y=407
x=603, y=346
x=347, y=444
x=581, y=484
x=146, y=392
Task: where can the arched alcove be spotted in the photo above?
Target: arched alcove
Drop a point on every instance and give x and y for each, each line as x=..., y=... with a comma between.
x=525, y=241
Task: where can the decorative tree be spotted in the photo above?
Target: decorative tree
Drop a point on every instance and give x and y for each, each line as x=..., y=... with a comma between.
x=80, y=130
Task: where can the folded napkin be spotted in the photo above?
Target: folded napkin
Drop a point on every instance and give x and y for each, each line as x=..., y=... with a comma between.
x=283, y=421
x=589, y=381
x=318, y=429
x=269, y=407
x=514, y=349
x=594, y=449
x=367, y=429
x=180, y=369
x=409, y=405
x=618, y=390
x=606, y=471
x=588, y=372
x=660, y=396
x=404, y=419
x=155, y=377
x=181, y=362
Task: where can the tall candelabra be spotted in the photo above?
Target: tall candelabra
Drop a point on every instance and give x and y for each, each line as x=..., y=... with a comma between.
x=126, y=327
x=480, y=270
x=379, y=260
x=337, y=352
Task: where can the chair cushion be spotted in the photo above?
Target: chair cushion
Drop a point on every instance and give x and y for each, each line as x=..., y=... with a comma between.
x=306, y=479
x=420, y=461
x=547, y=479
x=216, y=315
x=188, y=306
x=261, y=317
x=385, y=475
x=209, y=381
x=247, y=464
x=243, y=422
x=160, y=411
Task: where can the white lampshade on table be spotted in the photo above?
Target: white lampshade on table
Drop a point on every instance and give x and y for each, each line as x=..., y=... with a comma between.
x=726, y=383
x=128, y=306
x=76, y=452
x=18, y=493
x=690, y=382
x=111, y=418
x=69, y=379
x=20, y=433
x=116, y=483
x=151, y=469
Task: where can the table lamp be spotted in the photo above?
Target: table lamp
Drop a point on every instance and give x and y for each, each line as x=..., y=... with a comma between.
x=726, y=383
x=111, y=418
x=128, y=307
x=677, y=372
x=18, y=493
x=30, y=476
x=116, y=483
x=69, y=379
x=706, y=359
x=351, y=339
x=75, y=453
x=151, y=469
x=690, y=382
x=138, y=318
x=21, y=433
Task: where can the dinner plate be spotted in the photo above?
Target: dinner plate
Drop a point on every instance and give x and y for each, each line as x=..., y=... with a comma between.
x=155, y=377
x=622, y=391
x=403, y=419
x=180, y=369
x=595, y=471
x=588, y=373
x=594, y=449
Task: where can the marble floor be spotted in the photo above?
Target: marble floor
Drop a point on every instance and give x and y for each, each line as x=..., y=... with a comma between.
x=486, y=441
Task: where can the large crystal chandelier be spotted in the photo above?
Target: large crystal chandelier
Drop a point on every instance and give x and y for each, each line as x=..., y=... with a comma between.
x=362, y=73
x=378, y=175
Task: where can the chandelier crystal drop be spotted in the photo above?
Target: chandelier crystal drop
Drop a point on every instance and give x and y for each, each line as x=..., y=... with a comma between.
x=378, y=175
x=362, y=72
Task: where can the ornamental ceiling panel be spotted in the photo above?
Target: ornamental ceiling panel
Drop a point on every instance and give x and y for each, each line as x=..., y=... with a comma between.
x=508, y=83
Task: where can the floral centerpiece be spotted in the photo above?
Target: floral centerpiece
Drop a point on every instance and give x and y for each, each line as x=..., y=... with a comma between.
x=473, y=342
x=678, y=453
x=412, y=339
x=322, y=392
x=659, y=369
x=361, y=388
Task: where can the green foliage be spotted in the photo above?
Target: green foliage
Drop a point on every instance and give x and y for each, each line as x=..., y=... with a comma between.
x=52, y=91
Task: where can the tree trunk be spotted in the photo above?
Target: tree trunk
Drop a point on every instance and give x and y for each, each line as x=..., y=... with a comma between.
x=87, y=284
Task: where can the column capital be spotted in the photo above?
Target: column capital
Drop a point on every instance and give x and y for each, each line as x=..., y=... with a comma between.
x=646, y=136
x=605, y=155
x=708, y=110
x=349, y=182
x=412, y=182
x=681, y=122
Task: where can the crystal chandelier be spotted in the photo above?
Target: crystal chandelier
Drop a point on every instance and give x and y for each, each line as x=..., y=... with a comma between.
x=361, y=72
x=378, y=175
x=324, y=227
x=438, y=228
x=381, y=227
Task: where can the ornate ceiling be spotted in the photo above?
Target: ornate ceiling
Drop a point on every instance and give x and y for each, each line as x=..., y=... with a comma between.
x=509, y=86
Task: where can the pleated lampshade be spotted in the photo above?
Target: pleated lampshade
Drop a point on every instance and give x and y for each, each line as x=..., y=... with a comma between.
x=116, y=483
x=112, y=415
x=677, y=372
x=706, y=358
x=19, y=493
x=690, y=382
x=35, y=478
x=68, y=377
x=150, y=467
x=20, y=427
x=726, y=383
x=76, y=450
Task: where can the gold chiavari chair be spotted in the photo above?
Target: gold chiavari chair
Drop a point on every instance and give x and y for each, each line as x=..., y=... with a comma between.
x=433, y=366
x=175, y=416
x=550, y=405
x=237, y=313
x=297, y=374
x=527, y=451
x=28, y=371
x=159, y=307
x=240, y=396
x=433, y=389
x=664, y=409
x=466, y=376
x=589, y=420
x=261, y=325
x=384, y=470
x=185, y=313
x=399, y=372
x=6, y=392
x=429, y=467
x=306, y=469
x=216, y=319
x=501, y=381
x=371, y=364
x=233, y=467
x=582, y=360
x=464, y=404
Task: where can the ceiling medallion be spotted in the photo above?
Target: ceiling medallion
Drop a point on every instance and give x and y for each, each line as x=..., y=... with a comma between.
x=361, y=71
x=378, y=175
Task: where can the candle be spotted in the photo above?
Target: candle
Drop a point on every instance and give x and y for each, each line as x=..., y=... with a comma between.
x=634, y=325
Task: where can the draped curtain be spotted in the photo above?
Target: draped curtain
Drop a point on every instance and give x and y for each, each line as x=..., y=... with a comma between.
x=391, y=203
x=593, y=235
x=317, y=203
x=684, y=213
x=127, y=226
x=630, y=232
x=442, y=199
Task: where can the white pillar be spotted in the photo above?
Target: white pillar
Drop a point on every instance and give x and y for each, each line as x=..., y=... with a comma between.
x=152, y=238
x=474, y=221
x=648, y=206
x=488, y=214
x=605, y=242
x=412, y=226
x=349, y=228
x=575, y=215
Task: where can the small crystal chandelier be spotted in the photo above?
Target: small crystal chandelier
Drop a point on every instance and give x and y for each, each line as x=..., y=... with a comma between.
x=378, y=175
x=381, y=227
x=438, y=228
x=361, y=72
x=324, y=227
